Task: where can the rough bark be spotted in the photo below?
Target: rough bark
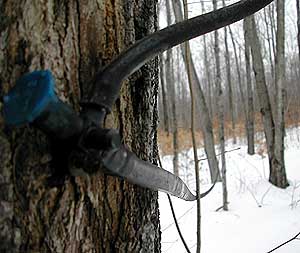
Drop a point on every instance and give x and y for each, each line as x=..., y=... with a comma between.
x=95, y=213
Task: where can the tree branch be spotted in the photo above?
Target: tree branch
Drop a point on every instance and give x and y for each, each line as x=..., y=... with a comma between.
x=292, y=239
x=228, y=151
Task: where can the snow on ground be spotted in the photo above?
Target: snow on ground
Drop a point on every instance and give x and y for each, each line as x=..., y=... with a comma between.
x=260, y=216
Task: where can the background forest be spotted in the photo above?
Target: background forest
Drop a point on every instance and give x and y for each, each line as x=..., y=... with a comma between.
x=232, y=60
x=245, y=86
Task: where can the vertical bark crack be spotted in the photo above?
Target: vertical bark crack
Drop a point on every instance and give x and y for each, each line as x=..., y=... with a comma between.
x=79, y=45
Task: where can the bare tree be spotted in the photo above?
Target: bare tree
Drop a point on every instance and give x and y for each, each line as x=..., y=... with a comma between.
x=269, y=39
x=250, y=103
x=163, y=106
x=298, y=26
x=273, y=31
x=165, y=114
x=206, y=124
x=271, y=11
x=275, y=163
x=220, y=103
x=193, y=116
x=239, y=75
x=278, y=174
x=207, y=71
x=172, y=87
x=229, y=83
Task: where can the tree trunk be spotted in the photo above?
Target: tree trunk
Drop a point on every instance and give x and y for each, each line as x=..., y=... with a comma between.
x=163, y=106
x=165, y=114
x=172, y=87
x=96, y=213
x=298, y=32
x=206, y=124
x=193, y=114
x=220, y=104
x=261, y=89
x=229, y=83
x=250, y=103
x=273, y=28
x=265, y=108
x=278, y=174
x=238, y=71
x=207, y=71
x=269, y=44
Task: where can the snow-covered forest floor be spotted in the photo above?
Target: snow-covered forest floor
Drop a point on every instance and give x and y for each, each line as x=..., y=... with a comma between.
x=260, y=216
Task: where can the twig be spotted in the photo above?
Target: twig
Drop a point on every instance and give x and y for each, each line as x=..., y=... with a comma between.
x=227, y=151
x=168, y=226
x=292, y=239
x=265, y=194
x=219, y=208
x=252, y=194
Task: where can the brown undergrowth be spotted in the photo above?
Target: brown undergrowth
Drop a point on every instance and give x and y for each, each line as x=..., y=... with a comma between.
x=165, y=140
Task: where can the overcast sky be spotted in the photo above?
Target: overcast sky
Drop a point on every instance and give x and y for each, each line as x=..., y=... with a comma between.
x=195, y=9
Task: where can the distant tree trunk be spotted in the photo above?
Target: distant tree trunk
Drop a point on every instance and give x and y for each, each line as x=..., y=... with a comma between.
x=229, y=83
x=97, y=213
x=272, y=90
x=273, y=27
x=269, y=44
x=164, y=110
x=298, y=27
x=298, y=42
x=207, y=72
x=175, y=134
x=238, y=71
x=185, y=104
x=220, y=103
x=278, y=175
x=250, y=103
x=164, y=96
x=184, y=99
x=206, y=124
x=265, y=107
x=172, y=88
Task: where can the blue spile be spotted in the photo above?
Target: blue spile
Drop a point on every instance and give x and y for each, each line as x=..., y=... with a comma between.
x=29, y=97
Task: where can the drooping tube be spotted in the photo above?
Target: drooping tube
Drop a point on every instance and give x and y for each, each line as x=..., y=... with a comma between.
x=126, y=164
